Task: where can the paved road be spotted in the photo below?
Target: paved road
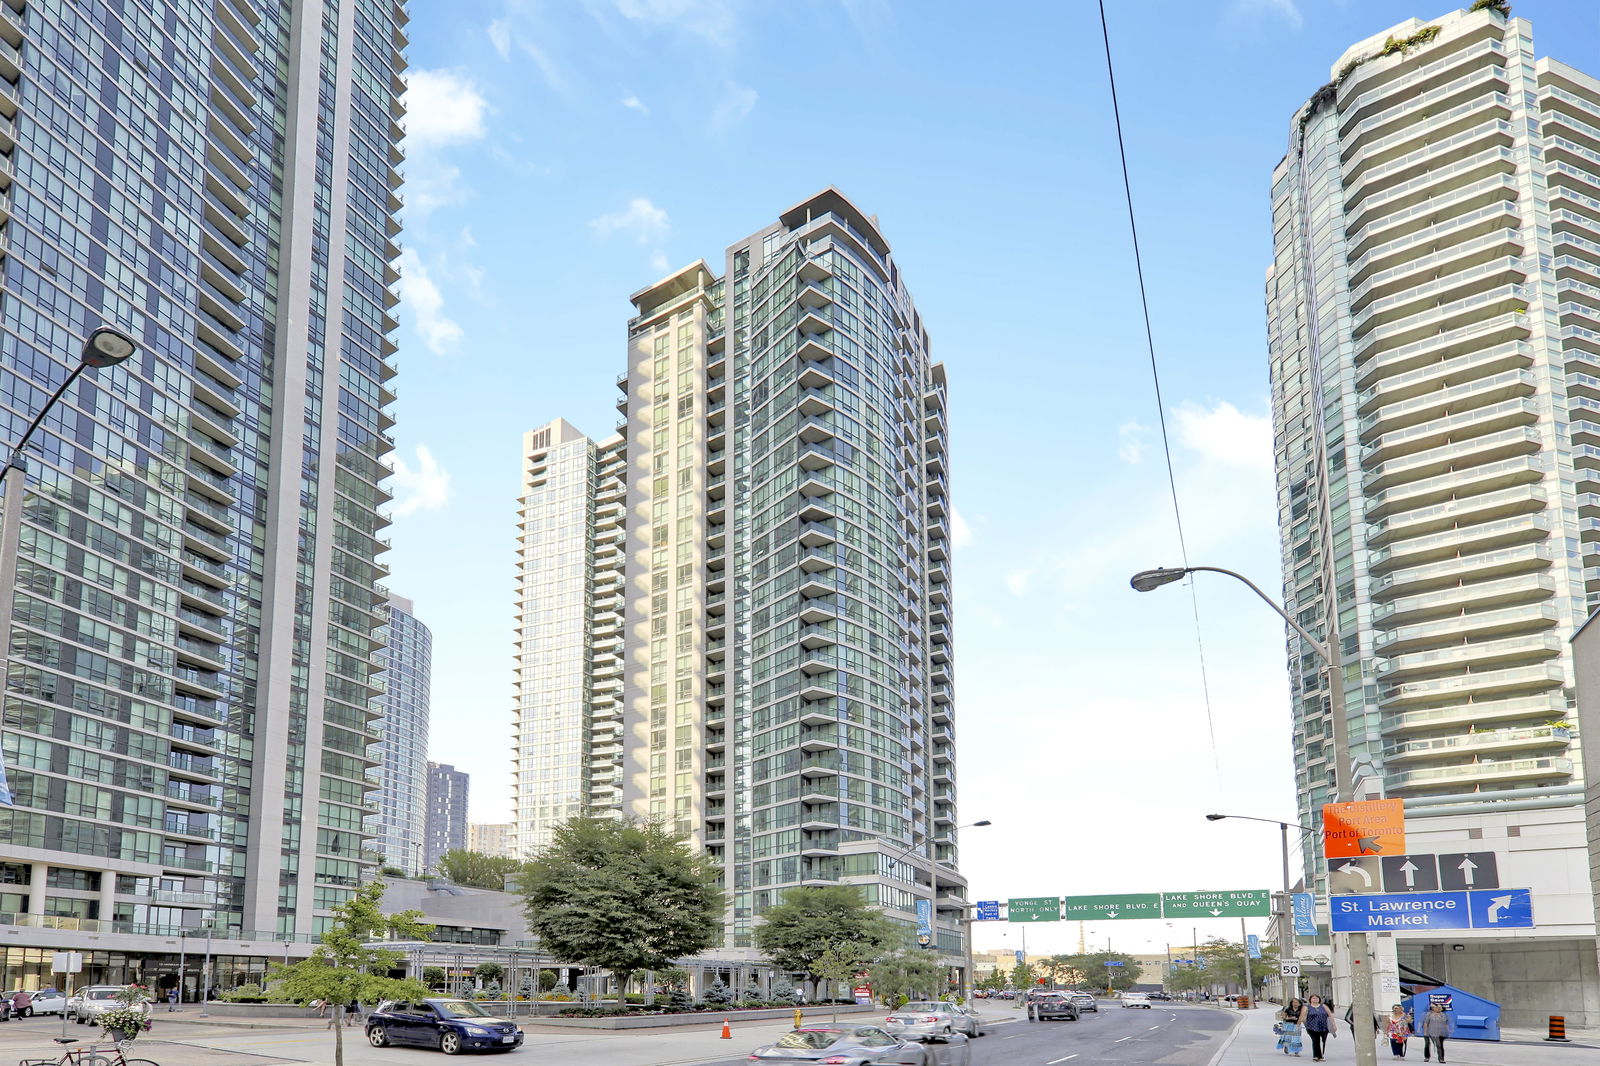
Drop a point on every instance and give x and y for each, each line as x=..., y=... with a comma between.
x=1168, y=1036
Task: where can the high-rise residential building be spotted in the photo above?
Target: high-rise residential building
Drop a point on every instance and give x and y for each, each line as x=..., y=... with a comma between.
x=446, y=827
x=400, y=824
x=567, y=742
x=787, y=658
x=195, y=618
x=493, y=839
x=1434, y=322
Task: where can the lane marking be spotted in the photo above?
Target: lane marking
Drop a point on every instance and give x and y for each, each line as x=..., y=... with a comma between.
x=1122, y=1038
x=1063, y=1058
x=1155, y=1027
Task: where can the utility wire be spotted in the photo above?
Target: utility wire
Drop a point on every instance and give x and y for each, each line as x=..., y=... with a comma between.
x=1155, y=376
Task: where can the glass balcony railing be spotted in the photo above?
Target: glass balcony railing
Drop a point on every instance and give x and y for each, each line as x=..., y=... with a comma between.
x=1482, y=771
x=1503, y=212
x=1546, y=705
x=1496, y=186
x=1491, y=739
x=1460, y=626
x=1527, y=678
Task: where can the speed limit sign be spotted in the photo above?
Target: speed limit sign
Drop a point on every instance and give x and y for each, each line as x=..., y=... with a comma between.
x=1289, y=969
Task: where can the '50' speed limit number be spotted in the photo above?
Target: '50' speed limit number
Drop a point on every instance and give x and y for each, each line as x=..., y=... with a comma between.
x=1289, y=969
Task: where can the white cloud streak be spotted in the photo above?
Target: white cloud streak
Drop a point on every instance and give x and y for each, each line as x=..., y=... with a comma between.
x=420, y=296
x=641, y=220
x=424, y=487
x=633, y=103
x=735, y=106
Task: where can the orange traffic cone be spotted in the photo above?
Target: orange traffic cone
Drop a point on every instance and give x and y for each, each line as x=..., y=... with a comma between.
x=727, y=1033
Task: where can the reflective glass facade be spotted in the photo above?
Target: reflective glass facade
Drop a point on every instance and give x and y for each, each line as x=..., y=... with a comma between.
x=196, y=618
x=401, y=775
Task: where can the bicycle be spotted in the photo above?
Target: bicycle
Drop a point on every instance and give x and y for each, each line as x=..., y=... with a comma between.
x=88, y=1056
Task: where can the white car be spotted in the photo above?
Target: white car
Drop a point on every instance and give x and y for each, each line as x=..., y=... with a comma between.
x=47, y=1002
x=89, y=1004
x=1136, y=999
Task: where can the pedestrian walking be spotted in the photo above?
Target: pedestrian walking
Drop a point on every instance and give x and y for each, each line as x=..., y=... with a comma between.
x=352, y=1013
x=1319, y=1026
x=1399, y=1029
x=172, y=999
x=1436, y=1025
x=1291, y=1019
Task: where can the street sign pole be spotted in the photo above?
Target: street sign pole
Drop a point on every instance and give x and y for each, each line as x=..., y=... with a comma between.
x=1357, y=954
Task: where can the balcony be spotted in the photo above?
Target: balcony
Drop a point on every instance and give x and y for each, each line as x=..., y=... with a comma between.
x=1471, y=351
x=1522, y=559
x=1464, y=540
x=1545, y=706
x=1499, y=215
x=1454, y=514
x=1497, y=742
x=1480, y=655
x=1489, y=477
x=1470, y=447
x=1471, y=776
x=1480, y=626
x=1517, y=680
x=1402, y=414
x=1408, y=223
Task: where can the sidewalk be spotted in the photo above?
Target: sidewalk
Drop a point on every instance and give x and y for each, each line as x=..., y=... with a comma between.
x=1254, y=1044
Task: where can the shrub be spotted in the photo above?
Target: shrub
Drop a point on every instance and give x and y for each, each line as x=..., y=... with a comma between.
x=719, y=995
x=249, y=993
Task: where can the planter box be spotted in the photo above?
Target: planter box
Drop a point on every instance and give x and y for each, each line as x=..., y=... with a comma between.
x=706, y=1017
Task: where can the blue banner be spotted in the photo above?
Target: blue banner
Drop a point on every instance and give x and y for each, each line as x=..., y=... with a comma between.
x=1305, y=914
x=1253, y=946
x=1019, y=958
x=925, y=923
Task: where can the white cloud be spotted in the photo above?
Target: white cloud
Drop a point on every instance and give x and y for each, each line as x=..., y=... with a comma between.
x=420, y=296
x=1019, y=582
x=960, y=532
x=633, y=103
x=425, y=487
x=660, y=262
x=712, y=20
x=1226, y=435
x=500, y=37
x=735, y=106
x=642, y=220
x=442, y=108
x=1131, y=442
x=1284, y=9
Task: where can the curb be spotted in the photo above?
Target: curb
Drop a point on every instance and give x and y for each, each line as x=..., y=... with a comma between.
x=1233, y=1034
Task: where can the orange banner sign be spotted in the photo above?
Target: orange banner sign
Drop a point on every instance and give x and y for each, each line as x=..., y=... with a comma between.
x=1371, y=827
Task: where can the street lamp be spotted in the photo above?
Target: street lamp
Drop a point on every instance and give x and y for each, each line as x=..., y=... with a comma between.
x=1285, y=928
x=105, y=347
x=933, y=905
x=1360, y=959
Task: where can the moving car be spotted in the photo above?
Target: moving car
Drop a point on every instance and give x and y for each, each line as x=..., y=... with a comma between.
x=1085, y=1001
x=861, y=1045
x=927, y=1019
x=89, y=1003
x=1042, y=1006
x=451, y=1025
x=1161, y=997
x=1136, y=999
x=976, y=1029
x=48, y=1001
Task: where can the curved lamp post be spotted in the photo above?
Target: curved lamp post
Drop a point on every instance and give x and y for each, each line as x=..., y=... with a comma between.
x=933, y=908
x=1285, y=925
x=1360, y=959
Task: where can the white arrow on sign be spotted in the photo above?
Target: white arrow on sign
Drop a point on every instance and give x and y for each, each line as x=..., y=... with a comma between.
x=1215, y=912
x=1352, y=868
x=1111, y=914
x=1466, y=868
x=1410, y=870
x=1498, y=905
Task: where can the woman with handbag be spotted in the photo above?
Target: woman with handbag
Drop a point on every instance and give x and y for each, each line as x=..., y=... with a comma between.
x=1290, y=1020
x=1319, y=1026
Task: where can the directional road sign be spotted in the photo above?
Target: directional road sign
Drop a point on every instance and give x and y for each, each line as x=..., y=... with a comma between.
x=1355, y=875
x=1034, y=909
x=1370, y=827
x=1476, y=869
x=988, y=910
x=1493, y=908
x=1411, y=873
x=1094, y=908
x=1249, y=903
x=1501, y=908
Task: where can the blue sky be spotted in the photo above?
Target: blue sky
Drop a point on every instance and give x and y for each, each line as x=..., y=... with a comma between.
x=563, y=154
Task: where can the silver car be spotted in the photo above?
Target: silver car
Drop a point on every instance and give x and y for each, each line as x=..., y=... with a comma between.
x=89, y=1004
x=928, y=1018
x=861, y=1045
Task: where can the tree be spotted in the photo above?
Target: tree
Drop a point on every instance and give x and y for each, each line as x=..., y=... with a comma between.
x=1090, y=970
x=547, y=980
x=345, y=969
x=488, y=972
x=1225, y=962
x=1023, y=976
x=911, y=972
x=474, y=869
x=840, y=963
x=434, y=976
x=626, y=896
x=812, y=919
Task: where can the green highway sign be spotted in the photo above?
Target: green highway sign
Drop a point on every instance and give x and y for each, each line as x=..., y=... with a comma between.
x=1094, y=908
x=1034, y=909
x=1249, y=903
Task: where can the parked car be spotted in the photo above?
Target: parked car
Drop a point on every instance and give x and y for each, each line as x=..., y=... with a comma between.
x=926, y=1019
x=1043, y=1006
x=1085, y=1001
x=47, y=1001
x=89, y=1003
x=1161, y=997
x=861, y=1045
x=1136, y=999
x=451, y=1025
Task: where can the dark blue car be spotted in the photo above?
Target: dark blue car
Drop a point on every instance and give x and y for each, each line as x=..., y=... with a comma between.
x=450, y=1025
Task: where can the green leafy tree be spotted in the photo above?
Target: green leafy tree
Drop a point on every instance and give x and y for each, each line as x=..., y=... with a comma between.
x=838, y=964
x=547, y=980
x=812, y=919
x=626, y=896
x=474, y=869
x=1225, y=961
x=344, y=968
x=914, y=973
x=489, y=972
x=1090, y=970
x=1023, y=976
